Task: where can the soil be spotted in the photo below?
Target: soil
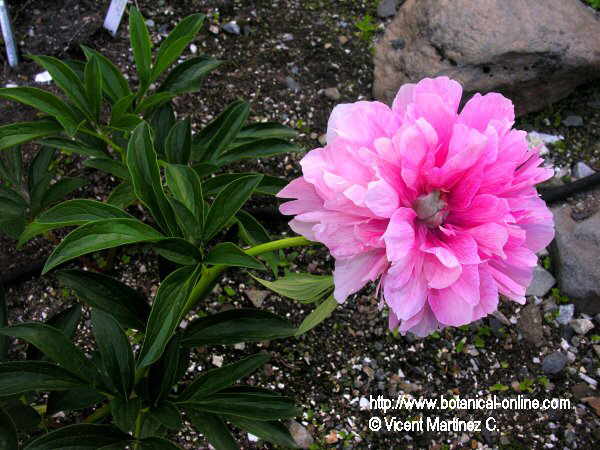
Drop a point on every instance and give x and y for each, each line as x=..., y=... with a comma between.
x=287, y=54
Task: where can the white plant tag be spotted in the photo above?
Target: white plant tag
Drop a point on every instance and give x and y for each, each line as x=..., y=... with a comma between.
x=114, y=15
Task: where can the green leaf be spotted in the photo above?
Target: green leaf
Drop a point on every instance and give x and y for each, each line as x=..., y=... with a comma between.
x=69, y=213
x=213, y=428
x=249, y=405
x=319, y=314
x=217, y=379
x=38, y=169
x=21, y=132
x=168, y=415
x=237, y=325
x=93, y=86
x=73, y=146
x=125, y=412
x=257, y=149
x=17, y=377
x=185, y=185
x=145, y=175
x=215, y=137
x=178, y=146
x=56, y=346
x=164, y=373
x=167, y=312
x=100, y=235
x=8, y=432
x=157, y=443
x=115, y=350
x=188, y=76
x=67, y=80
x=23, y=416
x=141, y=45
x=126, y=123
x=3, y=323
x=81, y=437
x=37, y=194
x=228, y=202
x=161, y=122
x=274, y=432
x=177, y=40
x=154, y=101
x=114, y=83
x=269, y=185
x=229, y=254
x=65, y=321
x=111, y=166
x=11, y=165
x=122, y=108
x=303, y=287
x=59, y=190
x=187, y=222
x=204, y=169
x=253, y=233
x=179, y=251
x=122, y=196
x=45, y=102
x=73, y=399
x=264, y=130
x=99, y=291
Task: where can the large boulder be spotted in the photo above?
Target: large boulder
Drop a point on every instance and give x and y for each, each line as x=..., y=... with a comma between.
x=534, y=52
x=576, y=255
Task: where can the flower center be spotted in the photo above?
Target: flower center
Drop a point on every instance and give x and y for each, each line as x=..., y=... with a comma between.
x=431, y=209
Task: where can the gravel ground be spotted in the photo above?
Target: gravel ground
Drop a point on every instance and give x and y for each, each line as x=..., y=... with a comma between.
x=287, y=59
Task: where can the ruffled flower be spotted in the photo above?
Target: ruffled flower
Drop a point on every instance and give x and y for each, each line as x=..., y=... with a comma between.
x=437, y=204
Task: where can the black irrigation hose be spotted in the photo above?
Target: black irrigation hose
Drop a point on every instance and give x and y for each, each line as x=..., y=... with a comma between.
x=554, y=194
x=271, y=215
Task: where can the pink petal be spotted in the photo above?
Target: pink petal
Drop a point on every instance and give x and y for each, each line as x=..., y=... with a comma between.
x=450, y=308
x=422, y=324
x=350, y=275
x=480, y=110
x=381, y=198
x=399, y=236
x=467, y=285
x=361, y=122
x=439, y=275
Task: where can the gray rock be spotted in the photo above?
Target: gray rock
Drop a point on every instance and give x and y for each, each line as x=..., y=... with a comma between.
x=257, y=296
x=576, y=253
x=565, y=313
x=333, y=93
x=232, y=28
x=286, y=37
x=581, y=170
x=554, y=363
x=530, y=324
x=292, y=84
x=387, y=8
x=581, y=326
x=573, y=121
x=542, y=282
x=533, y=52
x=300, y=434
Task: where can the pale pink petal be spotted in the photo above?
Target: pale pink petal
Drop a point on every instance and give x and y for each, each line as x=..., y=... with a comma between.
x=399, y=236
x=422, y=324
x=381, y=198
x=439, y=275
x=480, y=110
x=450, y=308
x=350, y=275
x=467, y=285
x=361, y=122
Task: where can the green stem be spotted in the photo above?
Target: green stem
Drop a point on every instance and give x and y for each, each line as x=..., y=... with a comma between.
x=210, y=276
x=100, y=135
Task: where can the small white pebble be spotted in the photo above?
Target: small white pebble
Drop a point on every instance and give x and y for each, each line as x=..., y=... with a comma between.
x=217, y=360
x=252, y=438
x=43, y=77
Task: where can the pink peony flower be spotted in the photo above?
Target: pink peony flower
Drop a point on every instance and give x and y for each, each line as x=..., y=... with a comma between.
x=440, y=205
